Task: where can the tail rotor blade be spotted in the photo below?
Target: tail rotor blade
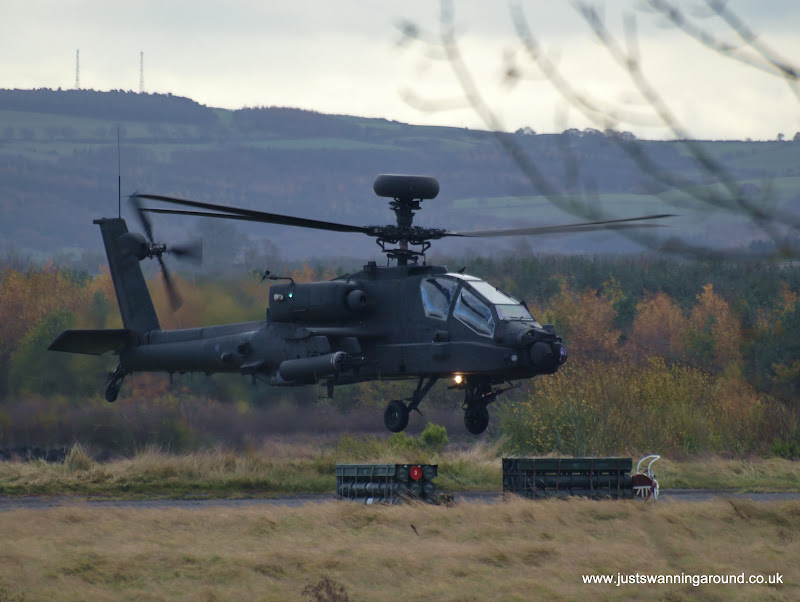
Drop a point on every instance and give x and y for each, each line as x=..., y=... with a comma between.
x=175, y=299
x=190, y=251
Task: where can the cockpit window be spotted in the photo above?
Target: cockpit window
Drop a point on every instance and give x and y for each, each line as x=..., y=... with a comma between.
x=508, y=308
x=471, y=311
x=493, y=295
x=514, y=312
x=437, y=296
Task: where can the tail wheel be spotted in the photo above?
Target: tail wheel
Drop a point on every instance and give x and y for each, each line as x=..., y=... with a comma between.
x=476, y=419
x=396, y=416
x=114, y=383
x=112, y=391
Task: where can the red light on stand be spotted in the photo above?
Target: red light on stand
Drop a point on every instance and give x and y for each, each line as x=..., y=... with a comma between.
x=416, y=473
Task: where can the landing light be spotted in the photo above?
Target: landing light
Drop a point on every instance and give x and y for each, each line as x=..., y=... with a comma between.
x=458, y=379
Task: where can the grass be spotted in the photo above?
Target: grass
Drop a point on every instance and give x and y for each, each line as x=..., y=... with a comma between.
x=515, y=550
x=217, y=473
x=755, y=474
x=289, y=467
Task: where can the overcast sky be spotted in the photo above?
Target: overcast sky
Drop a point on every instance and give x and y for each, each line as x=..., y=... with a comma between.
x=345, y=57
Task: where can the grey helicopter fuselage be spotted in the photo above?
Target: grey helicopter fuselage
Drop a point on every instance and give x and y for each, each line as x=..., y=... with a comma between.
x=400, y=322
x=381, y=323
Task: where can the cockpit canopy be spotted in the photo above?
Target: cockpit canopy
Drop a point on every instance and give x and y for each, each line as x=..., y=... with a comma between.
x=474, y=302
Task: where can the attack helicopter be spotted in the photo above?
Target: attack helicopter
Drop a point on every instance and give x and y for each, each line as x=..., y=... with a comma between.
x=409, y=320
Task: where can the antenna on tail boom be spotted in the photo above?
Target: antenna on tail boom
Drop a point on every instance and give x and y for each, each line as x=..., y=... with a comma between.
x=119, y=178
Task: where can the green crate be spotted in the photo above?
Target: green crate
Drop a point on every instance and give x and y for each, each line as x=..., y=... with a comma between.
x=564, y=477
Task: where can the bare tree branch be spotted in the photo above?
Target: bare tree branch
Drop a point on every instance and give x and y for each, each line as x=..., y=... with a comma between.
x=731, y=199
x=762, y=57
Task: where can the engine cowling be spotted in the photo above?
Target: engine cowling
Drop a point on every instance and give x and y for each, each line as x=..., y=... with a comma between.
x=317, y=302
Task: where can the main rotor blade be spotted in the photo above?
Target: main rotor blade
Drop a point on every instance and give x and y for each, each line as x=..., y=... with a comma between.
x=250, y=215
x=612, y=224
x=143, y=219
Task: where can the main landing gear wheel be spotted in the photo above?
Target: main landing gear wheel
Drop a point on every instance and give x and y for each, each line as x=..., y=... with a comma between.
x=396, y=416
x=479, y=393
x=476, y=419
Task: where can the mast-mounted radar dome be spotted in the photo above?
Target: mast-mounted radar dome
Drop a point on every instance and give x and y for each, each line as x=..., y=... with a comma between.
x=406, y=188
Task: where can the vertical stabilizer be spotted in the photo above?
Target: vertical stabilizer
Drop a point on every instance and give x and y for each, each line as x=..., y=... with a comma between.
x=135, y=304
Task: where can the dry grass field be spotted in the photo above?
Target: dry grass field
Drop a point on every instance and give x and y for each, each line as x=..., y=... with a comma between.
x=513, y=550
x=516, y=549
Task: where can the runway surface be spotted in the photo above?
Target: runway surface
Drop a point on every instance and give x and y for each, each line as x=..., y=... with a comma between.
x=488, y=497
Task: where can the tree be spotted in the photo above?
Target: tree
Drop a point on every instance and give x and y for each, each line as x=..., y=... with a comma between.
x=33, y=370
x=715, y=333
x=659, y=327
x=586, y=321
x=773, y=355
x=26, y=298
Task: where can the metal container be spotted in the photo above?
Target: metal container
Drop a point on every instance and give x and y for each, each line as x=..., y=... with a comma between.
x=386, y=483
x=564, y=477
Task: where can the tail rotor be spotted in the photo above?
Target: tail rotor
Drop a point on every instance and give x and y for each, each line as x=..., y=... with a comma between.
x=191, y=251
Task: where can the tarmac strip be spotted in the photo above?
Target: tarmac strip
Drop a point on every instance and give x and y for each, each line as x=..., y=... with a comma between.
x=9, y=503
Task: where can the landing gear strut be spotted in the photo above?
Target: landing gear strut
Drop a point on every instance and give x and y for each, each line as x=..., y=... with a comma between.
x=114, y=383
x=395, y=418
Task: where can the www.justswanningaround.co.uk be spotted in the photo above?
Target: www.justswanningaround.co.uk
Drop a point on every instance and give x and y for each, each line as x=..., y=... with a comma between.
x=683, y=579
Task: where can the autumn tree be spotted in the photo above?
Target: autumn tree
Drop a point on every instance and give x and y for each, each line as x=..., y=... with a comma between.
x=586, y=321
x=659, y=327
x=714, y=335
x=28, y=297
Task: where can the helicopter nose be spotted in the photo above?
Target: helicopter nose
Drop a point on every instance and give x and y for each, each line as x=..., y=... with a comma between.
x=548, y=356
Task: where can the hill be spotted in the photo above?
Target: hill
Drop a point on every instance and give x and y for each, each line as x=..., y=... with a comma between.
x=58, y=171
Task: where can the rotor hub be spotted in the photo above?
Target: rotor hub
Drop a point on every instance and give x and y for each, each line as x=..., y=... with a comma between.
x=406, y=192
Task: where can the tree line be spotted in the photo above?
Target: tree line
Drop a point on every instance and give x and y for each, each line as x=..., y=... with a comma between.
x=703, y=357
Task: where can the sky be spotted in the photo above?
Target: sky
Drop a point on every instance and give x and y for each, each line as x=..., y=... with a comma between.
x=351, y=57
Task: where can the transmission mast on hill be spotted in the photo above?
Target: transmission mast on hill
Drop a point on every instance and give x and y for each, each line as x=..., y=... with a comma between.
x=78, y=69
x=141, y=72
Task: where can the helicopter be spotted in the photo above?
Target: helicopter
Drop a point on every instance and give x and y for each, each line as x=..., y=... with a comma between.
x=409, y=320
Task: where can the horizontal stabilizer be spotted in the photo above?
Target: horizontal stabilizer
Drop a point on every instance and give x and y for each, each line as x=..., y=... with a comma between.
x=93, y=342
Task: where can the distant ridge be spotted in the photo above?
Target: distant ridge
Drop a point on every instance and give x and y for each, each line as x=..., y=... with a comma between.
x=112, y=105
x=120, y=105
x=58, y=171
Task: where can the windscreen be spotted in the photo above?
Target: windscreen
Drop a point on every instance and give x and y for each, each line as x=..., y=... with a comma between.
x=508, y=308
x=437, y=295
x=471, y=311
